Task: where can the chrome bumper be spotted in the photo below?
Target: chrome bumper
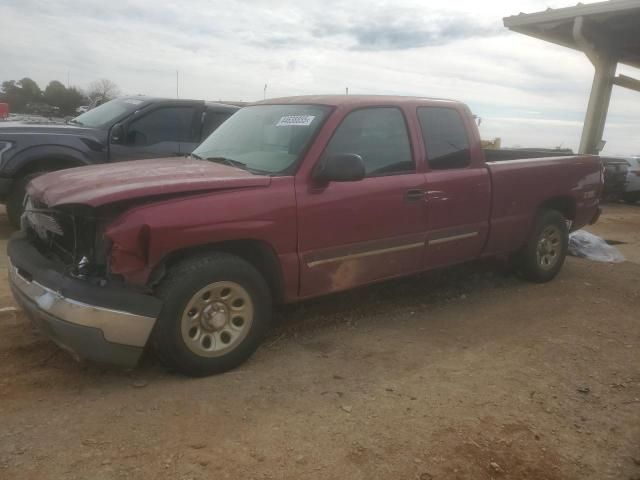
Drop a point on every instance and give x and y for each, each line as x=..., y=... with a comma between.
x=116, y=326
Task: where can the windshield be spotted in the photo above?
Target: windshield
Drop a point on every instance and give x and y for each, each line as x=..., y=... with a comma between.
x=107, y=112
x=264, y=138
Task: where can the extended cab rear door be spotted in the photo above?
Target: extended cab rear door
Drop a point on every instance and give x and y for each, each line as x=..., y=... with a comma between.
x=352, y=233
x=458, y=186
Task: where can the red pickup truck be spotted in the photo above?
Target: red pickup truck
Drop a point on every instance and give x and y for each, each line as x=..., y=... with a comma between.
x=289, y=199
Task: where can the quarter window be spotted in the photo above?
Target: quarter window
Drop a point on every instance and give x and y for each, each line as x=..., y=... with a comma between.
x=379, y=136
x=445, y=138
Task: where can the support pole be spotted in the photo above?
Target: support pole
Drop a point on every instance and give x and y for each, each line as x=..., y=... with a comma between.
x=605, y=71
x=596, y=116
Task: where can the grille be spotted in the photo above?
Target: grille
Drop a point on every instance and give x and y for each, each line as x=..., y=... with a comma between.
x=42, y=222
x=58, y=233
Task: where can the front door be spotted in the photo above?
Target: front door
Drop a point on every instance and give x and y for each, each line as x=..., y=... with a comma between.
x=166, y=131
x=354, y=233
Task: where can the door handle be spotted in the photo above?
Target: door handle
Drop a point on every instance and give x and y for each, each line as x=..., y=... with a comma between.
x=437, y=196
x=414, y=195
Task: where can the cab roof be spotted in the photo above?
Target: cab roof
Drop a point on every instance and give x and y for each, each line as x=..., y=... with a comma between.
x=357, y=100
x=148, y=100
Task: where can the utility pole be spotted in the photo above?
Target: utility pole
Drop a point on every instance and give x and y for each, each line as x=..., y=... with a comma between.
x=177, y=84
x=68, y=78
x=264, y=97
x=346, y=90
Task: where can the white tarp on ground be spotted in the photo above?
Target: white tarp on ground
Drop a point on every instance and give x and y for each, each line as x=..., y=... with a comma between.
x=586, y=245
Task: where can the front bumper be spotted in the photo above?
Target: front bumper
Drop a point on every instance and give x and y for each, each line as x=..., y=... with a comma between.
x=104, y=324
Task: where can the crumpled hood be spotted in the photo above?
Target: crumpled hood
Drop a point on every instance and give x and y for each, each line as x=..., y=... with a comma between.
x=98, y=185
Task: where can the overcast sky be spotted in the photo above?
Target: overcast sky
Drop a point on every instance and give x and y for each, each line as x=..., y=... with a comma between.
x=529, y=92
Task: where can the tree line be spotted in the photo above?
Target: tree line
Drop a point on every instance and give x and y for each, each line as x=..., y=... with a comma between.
x=25, y=96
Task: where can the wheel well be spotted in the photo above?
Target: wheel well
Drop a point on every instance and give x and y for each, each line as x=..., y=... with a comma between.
x=565, y=205
x=258, y=253
x=47, y=164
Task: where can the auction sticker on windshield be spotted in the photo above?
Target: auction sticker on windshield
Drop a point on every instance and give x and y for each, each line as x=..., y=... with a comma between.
x=295, y=120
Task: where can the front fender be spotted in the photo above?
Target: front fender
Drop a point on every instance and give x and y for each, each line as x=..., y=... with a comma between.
x=145, y=235
x=39, y=153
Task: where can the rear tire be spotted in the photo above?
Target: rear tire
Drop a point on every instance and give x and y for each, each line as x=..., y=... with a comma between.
x=544, y=254
x=216, y=310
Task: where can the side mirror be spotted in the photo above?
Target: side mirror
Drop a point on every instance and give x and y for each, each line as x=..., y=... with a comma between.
x=341, y=167
x=117, y=133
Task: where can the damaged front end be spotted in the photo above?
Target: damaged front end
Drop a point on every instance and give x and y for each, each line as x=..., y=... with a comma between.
x=72, y=236
x=60, y=274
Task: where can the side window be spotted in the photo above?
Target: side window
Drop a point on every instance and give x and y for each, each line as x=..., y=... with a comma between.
x=169, y=124
x=445, y=138
x=213, y=120
x=379, y=135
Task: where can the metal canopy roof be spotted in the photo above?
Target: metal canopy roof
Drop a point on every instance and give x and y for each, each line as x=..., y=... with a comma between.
x=612, y=26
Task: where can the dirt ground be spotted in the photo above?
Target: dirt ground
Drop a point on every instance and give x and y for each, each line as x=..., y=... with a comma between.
x=468, y=374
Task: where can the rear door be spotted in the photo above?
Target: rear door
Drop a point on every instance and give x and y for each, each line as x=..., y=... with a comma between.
x=352, y=233
x=163, y=131
x=458, y=188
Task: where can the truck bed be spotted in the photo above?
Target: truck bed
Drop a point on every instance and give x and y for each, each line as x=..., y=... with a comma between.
x=570, y=182
x=498, y=155
x=615, y=173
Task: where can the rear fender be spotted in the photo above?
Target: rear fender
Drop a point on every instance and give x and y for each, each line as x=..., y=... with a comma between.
x=566, y=205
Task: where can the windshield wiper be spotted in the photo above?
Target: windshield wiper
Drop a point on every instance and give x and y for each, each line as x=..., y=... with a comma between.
x=76, y=122
x=224, y=160
x=228, y=161
x=231, y=162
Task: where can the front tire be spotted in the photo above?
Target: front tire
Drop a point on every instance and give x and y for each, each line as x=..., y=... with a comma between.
x=216, y=310
x=546, y=249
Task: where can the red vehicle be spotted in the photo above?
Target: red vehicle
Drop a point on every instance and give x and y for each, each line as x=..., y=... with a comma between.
x=4, y=111
x=289, y=199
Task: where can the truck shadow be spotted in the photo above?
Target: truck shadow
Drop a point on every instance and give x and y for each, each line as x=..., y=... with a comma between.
x=393, y=297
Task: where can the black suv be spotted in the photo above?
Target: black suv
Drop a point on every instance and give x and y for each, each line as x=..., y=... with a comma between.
x=128, y=128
